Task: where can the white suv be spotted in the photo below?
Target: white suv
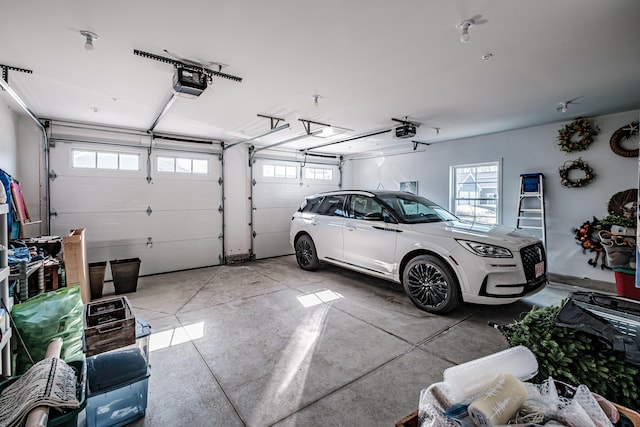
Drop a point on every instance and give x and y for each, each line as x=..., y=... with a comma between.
x=439, y=259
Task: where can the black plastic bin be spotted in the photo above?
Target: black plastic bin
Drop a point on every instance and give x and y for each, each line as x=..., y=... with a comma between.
x=125, y=274
x=96, y=278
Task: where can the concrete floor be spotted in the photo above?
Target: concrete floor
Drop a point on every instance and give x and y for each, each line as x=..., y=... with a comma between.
x=267, y=344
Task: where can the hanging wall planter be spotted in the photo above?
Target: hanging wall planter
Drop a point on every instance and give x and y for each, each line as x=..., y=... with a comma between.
x=622, y=142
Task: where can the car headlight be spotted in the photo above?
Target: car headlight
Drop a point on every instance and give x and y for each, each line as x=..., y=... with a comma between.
x=485, y=249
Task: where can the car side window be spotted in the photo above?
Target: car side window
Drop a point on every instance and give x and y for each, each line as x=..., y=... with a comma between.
x=331, y=206
x=311, y=205
x=361, y=206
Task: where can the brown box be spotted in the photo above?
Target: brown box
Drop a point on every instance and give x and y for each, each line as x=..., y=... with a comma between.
x=410, y=420
x=74, y=253
x=108, y=325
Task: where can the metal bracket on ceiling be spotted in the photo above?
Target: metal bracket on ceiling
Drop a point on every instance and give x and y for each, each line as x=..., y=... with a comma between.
x=307, y=125
x=274, y=120
x=6, y=68
x=416, y=143
x=406, y=121
x=191, y=67
x=346, y=140
x=274, y=128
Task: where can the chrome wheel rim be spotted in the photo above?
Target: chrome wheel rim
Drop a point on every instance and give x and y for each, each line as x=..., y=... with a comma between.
x=427, y=285
x=304, y=252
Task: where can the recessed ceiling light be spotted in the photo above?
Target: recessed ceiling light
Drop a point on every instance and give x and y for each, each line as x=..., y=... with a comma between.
x=487, y=56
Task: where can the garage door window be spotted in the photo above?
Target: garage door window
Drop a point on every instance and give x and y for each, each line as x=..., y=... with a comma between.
x=475, y=192
x=279, y=171
x=318, y=173
x=183, y=165
x=86, y=159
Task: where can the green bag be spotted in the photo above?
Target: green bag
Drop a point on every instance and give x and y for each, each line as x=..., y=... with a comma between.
x=47, y=316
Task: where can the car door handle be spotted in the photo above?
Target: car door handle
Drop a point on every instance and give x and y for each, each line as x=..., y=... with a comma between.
x=386, y=229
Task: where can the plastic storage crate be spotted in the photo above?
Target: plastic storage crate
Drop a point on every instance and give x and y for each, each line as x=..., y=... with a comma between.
x=118, y=382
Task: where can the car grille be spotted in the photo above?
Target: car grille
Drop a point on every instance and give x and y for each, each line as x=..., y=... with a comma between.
x=531, y=255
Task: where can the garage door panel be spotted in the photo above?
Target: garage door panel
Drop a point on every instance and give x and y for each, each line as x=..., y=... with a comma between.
x=272, y=244
x=168, y=194
x=273, y=219
x=103, y=227
x=198, y=224
x=100, y=191
x=167, y=256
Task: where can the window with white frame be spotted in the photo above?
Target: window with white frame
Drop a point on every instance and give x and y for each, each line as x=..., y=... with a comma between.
x=279, y=171
x=475, y=192
x=89, y=159
x=325, y=174
x=182, y=165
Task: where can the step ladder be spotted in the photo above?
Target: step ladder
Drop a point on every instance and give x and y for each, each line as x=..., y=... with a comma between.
x=531, y=205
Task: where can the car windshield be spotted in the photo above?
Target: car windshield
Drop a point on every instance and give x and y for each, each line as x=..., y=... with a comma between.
x=415, y=209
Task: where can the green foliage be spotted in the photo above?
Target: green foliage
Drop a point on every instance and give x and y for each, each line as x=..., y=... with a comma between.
x=573, y=357
x=618, y=220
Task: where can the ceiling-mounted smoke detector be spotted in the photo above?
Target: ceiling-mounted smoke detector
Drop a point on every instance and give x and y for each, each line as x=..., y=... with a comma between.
x=89, y=37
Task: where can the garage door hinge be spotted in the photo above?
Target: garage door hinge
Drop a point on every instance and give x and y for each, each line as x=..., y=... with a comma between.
x=52, y=144
x=149, y=242
x=254, y=234
x=220, y=236
x=52, y=175
x=149, y=210
x=53, y=213
x=254, y=182
x=220, y=209
x=220, y=181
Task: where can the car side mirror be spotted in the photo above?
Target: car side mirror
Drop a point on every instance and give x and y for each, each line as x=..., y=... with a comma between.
x=373, y=216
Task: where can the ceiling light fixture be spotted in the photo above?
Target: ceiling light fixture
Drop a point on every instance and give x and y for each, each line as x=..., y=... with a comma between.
x=89, y=37
x=464, y=26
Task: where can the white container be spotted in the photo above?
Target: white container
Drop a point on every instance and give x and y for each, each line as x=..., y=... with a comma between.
x=470, y=378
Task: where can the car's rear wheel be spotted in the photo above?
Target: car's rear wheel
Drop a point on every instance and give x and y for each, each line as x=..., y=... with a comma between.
x=306, y=254
x=431, y=285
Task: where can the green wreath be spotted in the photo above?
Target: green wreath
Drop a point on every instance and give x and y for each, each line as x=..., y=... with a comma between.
x=580, y=165
x=580, y=127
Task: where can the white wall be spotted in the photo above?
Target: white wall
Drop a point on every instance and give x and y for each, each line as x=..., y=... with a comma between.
x=31, y=174
x=237, y=233
x=8, y=138
x=527, y=150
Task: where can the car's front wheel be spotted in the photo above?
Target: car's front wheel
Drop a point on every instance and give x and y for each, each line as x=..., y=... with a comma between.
x=431, y=285
x=306, y=254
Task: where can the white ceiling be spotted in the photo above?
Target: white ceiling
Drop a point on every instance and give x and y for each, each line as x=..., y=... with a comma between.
x=369, y=60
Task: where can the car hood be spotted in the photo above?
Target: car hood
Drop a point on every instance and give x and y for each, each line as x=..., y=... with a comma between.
x=486, y=233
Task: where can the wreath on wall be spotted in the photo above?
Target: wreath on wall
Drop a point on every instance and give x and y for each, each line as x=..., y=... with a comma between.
x=580, y=128
x=576, y=165
x=622, y=135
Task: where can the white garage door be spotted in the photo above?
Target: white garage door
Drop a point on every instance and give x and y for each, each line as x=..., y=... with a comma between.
x=171, y=223
x=279, y=188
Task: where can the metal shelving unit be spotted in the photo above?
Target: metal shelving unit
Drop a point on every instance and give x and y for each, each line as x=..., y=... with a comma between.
x=7, y=302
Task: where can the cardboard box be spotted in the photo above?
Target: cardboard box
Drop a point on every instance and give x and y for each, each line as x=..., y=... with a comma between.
x=74, y=250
